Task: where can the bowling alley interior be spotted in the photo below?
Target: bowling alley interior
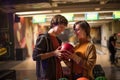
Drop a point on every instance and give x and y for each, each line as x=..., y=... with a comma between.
x=21, y=21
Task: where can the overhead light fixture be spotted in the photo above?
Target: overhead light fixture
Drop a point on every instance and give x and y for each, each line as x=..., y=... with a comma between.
x=56, y=11
x=53, y=12
x=33, y=12
x=102, y=2
x=97, y=9
x=54, y=4
x=116, y=14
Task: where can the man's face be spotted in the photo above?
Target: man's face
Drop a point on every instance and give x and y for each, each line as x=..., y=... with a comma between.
x=59, y=28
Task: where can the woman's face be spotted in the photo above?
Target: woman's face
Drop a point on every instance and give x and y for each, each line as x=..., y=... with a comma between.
x=59, y=28
x=80, y=33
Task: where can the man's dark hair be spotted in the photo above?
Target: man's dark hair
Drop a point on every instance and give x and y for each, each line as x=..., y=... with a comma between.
x=58, y=19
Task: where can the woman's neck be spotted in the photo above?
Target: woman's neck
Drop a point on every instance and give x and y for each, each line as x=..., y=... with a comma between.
x=83, y=41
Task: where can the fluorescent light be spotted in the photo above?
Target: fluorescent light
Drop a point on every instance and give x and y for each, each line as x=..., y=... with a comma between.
x=52, y=12
x=97, y=9
x=91, y=11
x=103, y=17
x=32, y=12
x=102, y=2
x=71, y=22
x=57, y=11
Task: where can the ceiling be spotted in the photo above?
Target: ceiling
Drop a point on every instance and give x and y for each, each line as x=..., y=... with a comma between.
x=62, y=5
x=104, y=7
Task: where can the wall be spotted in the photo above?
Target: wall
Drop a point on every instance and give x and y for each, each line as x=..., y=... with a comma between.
x=108, y=29
x=104, y=36
x=95, y=31
x=116, y=28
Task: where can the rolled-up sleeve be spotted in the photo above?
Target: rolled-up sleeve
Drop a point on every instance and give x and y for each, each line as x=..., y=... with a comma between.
x=40, y=48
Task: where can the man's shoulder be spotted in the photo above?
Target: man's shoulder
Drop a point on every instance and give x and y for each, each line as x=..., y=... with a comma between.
x=43, y=35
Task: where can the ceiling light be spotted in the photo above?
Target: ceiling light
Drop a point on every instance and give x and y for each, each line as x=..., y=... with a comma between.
x=33, y=12
x=56, y=11
x=97, y=9
x=54, y=4
x=102, y=2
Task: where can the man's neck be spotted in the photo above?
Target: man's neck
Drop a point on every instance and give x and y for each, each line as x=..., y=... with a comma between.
x=51, y=32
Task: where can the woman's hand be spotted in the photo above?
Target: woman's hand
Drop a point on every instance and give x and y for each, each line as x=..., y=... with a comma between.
x=71, y=56
x=66, y=54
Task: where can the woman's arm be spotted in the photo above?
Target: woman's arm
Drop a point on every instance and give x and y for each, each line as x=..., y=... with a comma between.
x=90, y=57
x=88, y=60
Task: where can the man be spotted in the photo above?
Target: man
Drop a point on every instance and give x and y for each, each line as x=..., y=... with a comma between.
x=111, y=47
x=46, y=52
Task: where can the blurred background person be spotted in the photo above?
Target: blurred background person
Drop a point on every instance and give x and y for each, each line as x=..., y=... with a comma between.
x=112, y=47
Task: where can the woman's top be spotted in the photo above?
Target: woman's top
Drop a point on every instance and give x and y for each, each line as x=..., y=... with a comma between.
x=87, y=55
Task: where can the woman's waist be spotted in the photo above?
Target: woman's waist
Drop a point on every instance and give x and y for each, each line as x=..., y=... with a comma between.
x=77, y=70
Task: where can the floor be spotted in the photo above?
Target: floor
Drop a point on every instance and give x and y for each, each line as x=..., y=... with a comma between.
x=25, y=70
x=111, y=71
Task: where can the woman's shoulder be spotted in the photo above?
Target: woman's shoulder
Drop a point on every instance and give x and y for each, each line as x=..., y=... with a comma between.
x=86, y=44
x=77, y=45
x=91, y=44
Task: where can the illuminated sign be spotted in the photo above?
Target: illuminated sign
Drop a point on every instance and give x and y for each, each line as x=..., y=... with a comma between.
x=39, y=19
x=91, y=16
x=116, y=14
x=68, y=16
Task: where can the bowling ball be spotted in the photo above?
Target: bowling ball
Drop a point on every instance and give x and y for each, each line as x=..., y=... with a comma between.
x=63, y=79
x=67, y=46
x=82, y=78
x=101, y=78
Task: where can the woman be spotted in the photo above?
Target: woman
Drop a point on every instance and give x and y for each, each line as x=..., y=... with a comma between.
x=84, y=56
x=46, y=52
